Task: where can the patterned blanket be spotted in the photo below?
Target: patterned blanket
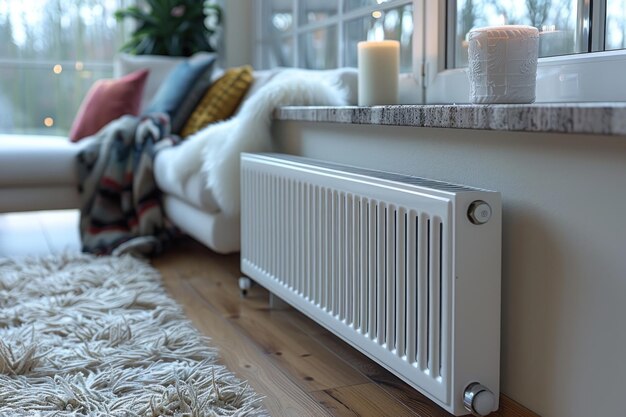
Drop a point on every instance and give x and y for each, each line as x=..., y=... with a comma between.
x=120, y=203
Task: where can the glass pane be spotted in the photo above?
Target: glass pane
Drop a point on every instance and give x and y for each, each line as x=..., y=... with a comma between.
x=316, y=10
x=42, y=99
x=280, y=16
x=318, y=48
x=51, y=52
x=394, y=24
x=555, y=19
x=615, y=24
x=278, y=53
x=356, y=4
x=64, y=30
x=277, y=48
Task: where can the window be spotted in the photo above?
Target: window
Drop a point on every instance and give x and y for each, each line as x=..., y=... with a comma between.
x=582, y=42
x=564, y=25
x=579, y=46
x=323, y=34
x=559, y=22
x=51, y=53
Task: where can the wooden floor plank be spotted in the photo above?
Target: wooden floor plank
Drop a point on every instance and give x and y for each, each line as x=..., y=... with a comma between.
x=361, y=400
x=310, y=365
x=390, y=383
x=282, y=397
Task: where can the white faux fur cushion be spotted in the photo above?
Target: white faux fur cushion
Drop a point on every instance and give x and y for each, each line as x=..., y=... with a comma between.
x=216, y=149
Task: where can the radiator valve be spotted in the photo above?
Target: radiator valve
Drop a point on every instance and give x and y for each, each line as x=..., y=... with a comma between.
x=478, y=400
x=479, y=212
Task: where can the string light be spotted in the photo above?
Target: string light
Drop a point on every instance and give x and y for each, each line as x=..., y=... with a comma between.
x=48, y=122
x=57, y=69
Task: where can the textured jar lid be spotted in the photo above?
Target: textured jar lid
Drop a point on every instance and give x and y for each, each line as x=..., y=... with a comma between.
x=504, y=32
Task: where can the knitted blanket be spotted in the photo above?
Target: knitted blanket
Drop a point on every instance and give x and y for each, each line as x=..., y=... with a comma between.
x=120, y=205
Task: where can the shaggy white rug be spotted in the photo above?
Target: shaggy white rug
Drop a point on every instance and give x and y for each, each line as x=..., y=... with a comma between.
x=81, y=335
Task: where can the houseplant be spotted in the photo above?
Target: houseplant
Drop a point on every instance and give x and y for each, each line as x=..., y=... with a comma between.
x=172, y=27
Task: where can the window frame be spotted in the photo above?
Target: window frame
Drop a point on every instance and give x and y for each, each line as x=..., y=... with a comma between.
x=593, y=76
x=338, y=20
x=411, y=90
x=581, y=77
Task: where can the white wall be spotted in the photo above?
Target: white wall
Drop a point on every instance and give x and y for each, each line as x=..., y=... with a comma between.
x=238, y=33
x=564, y=245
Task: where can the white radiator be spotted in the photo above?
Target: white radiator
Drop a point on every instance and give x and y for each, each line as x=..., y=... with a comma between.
x=405, y=269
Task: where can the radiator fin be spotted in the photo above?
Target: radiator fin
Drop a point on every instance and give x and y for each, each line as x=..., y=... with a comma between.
x=374, y=265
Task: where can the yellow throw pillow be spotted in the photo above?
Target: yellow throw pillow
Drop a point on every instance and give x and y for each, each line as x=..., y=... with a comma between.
x=221, y=99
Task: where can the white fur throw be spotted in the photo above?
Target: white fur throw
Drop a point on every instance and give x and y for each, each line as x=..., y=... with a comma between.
x=215, y=150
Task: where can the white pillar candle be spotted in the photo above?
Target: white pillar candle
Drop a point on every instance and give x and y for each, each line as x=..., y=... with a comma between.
x=379, y=65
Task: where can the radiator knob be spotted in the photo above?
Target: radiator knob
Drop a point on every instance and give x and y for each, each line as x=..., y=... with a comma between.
x=478, y=400
x=479, y=212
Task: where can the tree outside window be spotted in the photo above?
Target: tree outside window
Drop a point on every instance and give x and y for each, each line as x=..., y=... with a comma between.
x=51, y=53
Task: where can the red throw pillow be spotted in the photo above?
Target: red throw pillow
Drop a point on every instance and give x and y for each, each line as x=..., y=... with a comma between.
x=106, y=101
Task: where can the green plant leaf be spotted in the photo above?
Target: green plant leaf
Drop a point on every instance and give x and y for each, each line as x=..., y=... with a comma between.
x=174, y=46
x=184, y=26
x=136, y=13
x=158, y=7
x=146, y=46
x=201, y=42
x=160, y=32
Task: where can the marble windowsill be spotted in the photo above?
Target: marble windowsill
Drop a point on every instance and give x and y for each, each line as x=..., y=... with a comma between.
x=585, y=118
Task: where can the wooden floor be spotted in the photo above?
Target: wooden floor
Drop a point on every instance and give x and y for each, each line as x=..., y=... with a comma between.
x=299, y=367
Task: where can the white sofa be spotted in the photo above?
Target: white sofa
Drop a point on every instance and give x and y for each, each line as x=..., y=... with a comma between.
x=192, y=207
x=39, y=173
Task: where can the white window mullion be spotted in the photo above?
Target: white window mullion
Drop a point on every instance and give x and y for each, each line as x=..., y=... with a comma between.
x=310, y=27
x=583, y=25
x=419, y=52
x=450, y=22
x=341, y=24
x=295, y=6
x=434, y=41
